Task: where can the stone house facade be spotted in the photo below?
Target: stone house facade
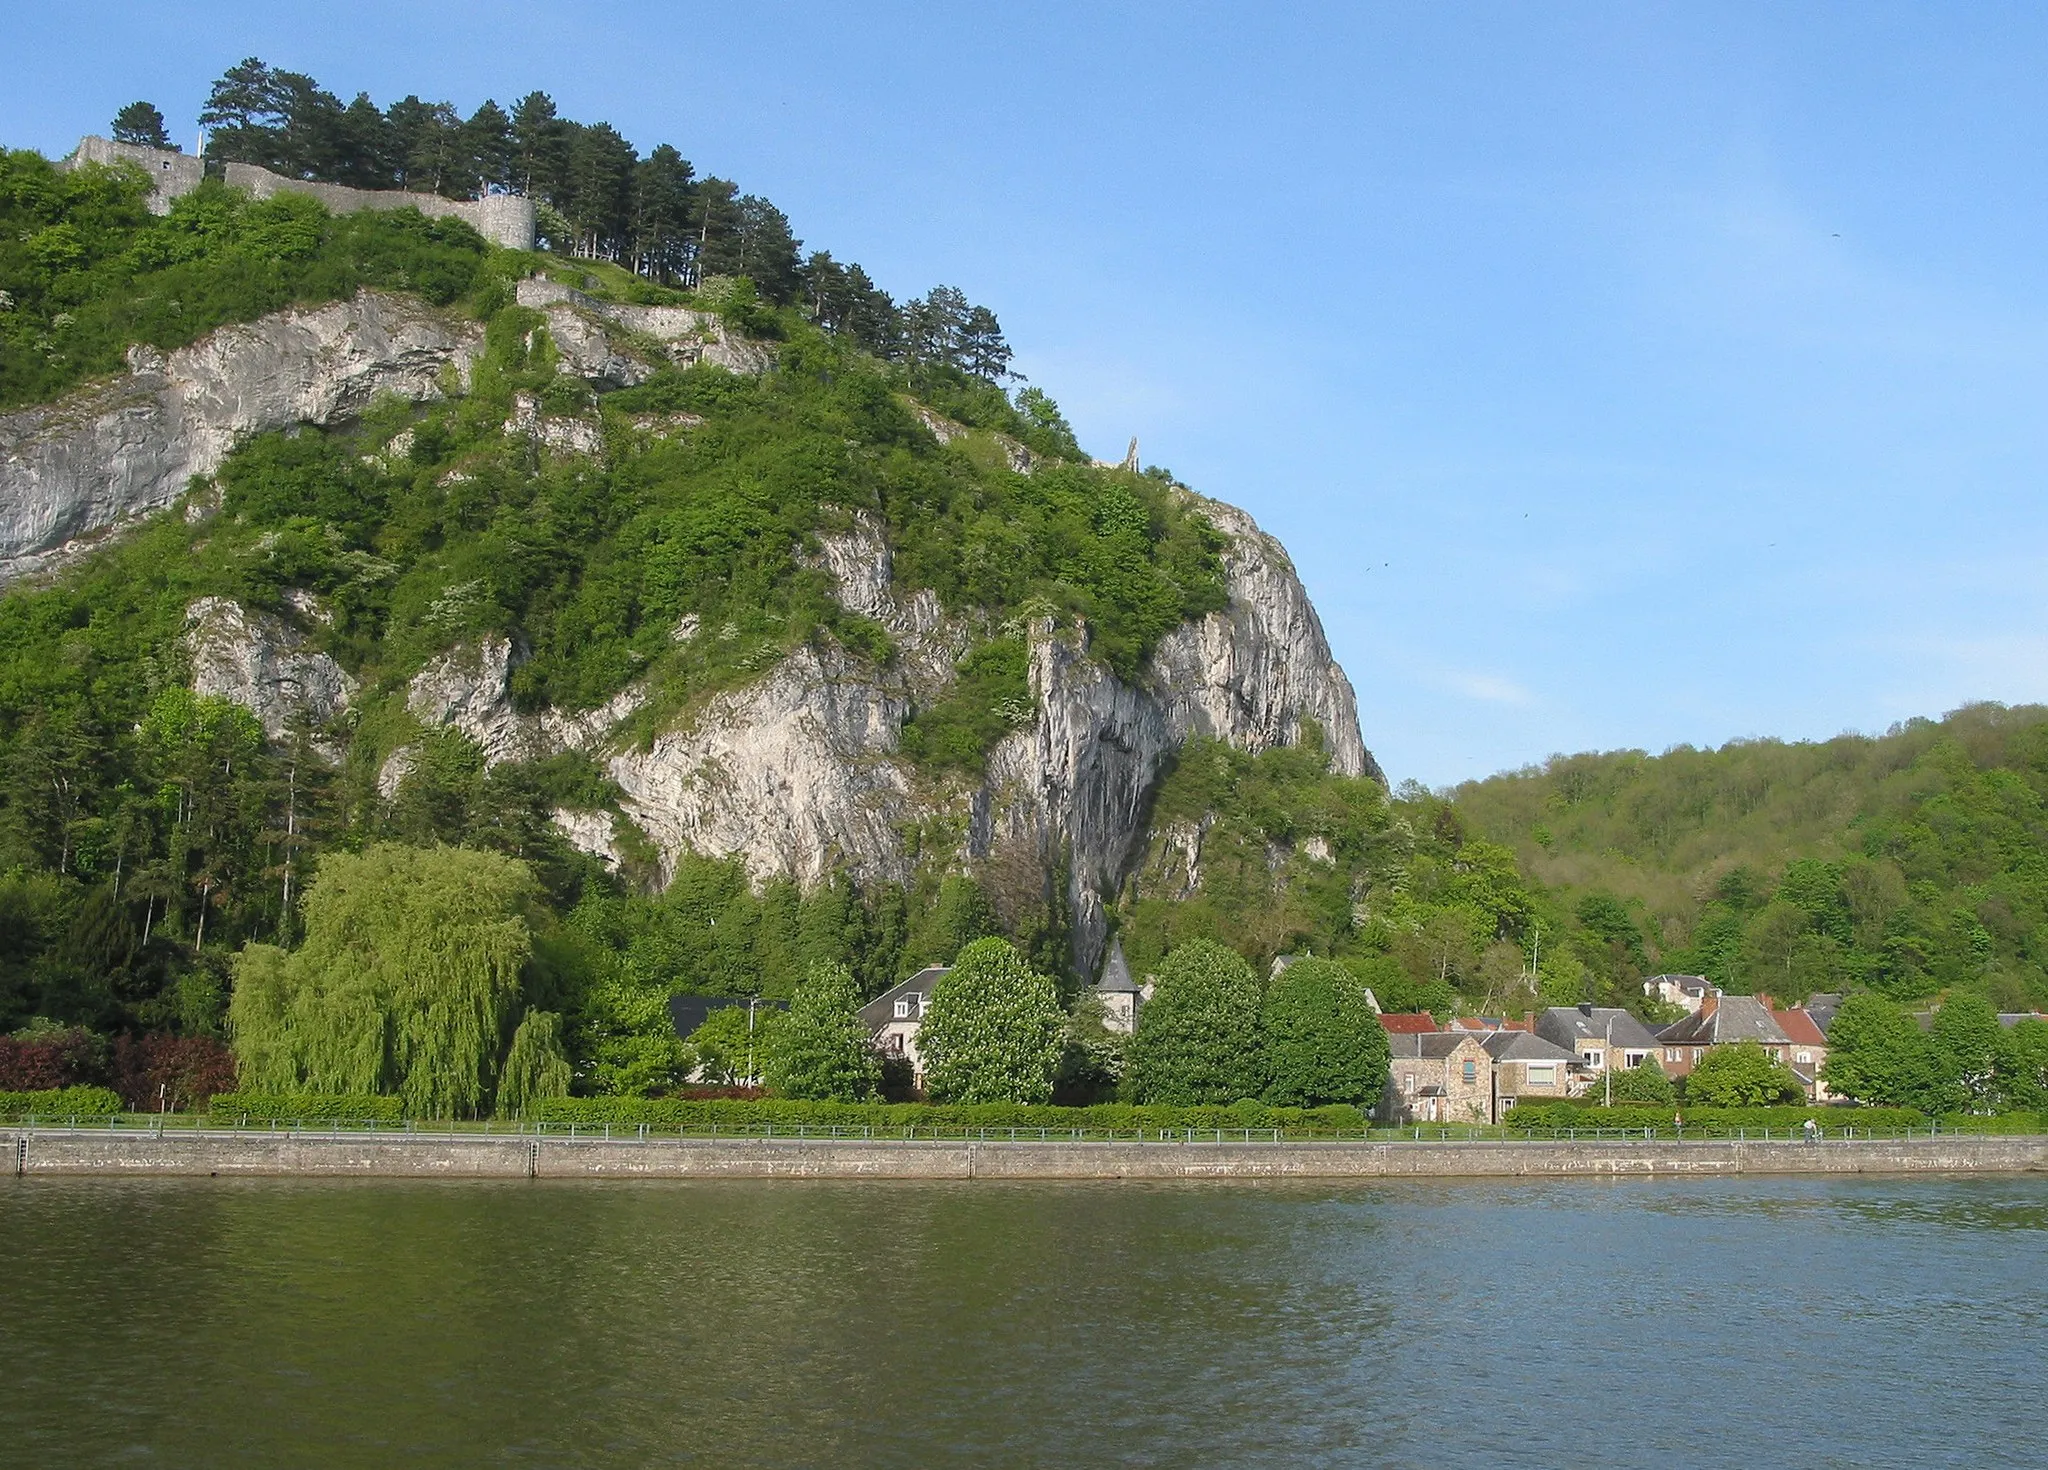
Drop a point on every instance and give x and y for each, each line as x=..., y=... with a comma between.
x=1527, y=1068
x=1438, y=1077
x=1600, y=1036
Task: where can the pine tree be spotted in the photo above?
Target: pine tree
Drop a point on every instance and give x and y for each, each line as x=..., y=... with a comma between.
x=140, y=123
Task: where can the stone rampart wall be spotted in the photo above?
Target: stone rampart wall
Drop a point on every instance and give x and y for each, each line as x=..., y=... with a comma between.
x=95, y=1152
x=503, y=219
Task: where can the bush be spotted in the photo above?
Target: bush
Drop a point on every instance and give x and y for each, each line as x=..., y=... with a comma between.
x=61, y=1102
x=307, y=1107
x=671, y=1113
x=1323, y=1041
x=182, y=1072
x=1542, y=1115
x=822, y=1049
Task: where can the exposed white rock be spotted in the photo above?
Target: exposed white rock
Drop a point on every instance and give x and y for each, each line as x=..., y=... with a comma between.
x=581, y=434
x=261, y=663
x=105, y=455
x=590, y=832
x=470, y=690
x=945, y=430
x=685, y=336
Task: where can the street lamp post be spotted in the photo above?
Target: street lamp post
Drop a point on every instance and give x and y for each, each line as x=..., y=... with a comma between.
x=1607, y=1061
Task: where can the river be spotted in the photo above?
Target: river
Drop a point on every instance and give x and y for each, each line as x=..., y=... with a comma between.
x=1755, y=1322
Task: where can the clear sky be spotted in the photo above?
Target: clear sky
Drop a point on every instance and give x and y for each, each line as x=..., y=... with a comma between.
x=1617, y=374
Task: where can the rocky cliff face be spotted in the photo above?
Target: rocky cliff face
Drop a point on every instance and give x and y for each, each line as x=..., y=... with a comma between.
x=72, y=470
x=799, y=772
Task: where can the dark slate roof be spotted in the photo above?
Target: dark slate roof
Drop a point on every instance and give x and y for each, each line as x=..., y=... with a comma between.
x=1428, y=1045
x=1822, y=1008
x=687, y=1012
x=1116, y=973
x=1521, y=1046
x=1568, y=1025
x=1736, y=1018
x=880, y=1011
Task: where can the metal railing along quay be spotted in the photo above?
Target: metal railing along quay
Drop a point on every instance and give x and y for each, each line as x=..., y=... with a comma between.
x=451, y=1130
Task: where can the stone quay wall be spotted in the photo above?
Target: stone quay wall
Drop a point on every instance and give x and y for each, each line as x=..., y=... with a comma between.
x=504, y=219
x=43, y=1152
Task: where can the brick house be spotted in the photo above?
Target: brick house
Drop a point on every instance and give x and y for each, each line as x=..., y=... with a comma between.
x=1721, y=1020
x=1438, y=1077
x=892, y=1018
x=1808, y=1050
x=1600, y=1036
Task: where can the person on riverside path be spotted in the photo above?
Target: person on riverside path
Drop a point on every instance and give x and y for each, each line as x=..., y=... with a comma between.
x=1812, y=1130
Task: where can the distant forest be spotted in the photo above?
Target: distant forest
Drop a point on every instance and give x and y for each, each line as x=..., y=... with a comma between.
x=598, y=199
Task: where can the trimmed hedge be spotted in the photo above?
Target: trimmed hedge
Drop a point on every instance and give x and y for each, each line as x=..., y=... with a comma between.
x=670, y=1112
x=61, y=1102
x=1658, y=1115
x=308, y=1107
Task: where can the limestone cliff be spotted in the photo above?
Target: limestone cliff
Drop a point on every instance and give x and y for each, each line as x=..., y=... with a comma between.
x=800, y=772
x=72, y=470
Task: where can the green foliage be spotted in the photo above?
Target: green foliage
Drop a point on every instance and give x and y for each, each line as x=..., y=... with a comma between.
x=307, y=1107
x=657, y=1113
x=90, y=271
x=407, y=982
x=822, y=1052
x=1323, y=1042
x=990, y=697
x=994, y=1031
x=61, y=1102
x=736, y=1044
x=1199, y=1038
x=1743, y=1075
x=1643, y=1083
x=1907, y=863
x=1701, y=1120
x=535, y=1066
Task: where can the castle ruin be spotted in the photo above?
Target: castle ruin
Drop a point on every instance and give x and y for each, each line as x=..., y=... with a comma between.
x=503, y=219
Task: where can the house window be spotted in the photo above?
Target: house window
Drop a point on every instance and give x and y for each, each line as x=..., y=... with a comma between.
x=1542, y=1074
x=1593, y=1055
x=1806, y=1056
x=1670, y=1053
x=1633, y=1058
x=902, y=1010
x=1506, y=1103
x=1408, y=1083
x=1471, y=1070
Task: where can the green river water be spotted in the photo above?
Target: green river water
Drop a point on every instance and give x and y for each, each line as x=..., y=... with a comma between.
x=1804, y=1322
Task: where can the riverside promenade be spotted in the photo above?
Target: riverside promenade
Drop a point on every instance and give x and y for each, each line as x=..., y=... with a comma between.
x=124, y=1153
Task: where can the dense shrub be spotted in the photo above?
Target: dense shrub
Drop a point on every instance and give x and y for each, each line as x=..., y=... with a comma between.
x=1199, y=1038
x=620, y=1112
x=60, y=1102
x=289, y=1107
x=178, y=1072
x=1324, y=1042
x=39, y=1062
x=1639, y=1115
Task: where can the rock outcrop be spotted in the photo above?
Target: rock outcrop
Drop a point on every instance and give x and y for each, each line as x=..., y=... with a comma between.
x=800, y=773
x=262, y=663
x=91, y=461
x=680, y=336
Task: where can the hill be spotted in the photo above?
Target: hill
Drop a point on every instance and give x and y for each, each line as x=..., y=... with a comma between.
x=1909, y=862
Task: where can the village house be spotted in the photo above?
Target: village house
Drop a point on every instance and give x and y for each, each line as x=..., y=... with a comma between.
x=1600, y=1036
x=1526, y=1068
x=892, y=1018
x=1438, y=1077
x=1678, y=990
x=1721, y=1020
x=1808, y=1050
x=1407, y=1023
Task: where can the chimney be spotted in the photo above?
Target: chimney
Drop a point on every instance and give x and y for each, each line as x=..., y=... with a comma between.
x=1585, y=1008
x=1710, y=1003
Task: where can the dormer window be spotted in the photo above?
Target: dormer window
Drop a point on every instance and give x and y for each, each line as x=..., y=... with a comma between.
x=902, y=1010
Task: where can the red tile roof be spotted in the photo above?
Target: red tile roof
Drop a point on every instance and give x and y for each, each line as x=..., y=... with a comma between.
x=1402, y=1024
x=1800, y=1028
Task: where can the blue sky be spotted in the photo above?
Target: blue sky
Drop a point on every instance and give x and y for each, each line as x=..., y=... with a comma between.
x=1617, y=375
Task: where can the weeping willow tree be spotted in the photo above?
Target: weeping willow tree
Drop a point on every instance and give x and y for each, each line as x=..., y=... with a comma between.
x=408, y=981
